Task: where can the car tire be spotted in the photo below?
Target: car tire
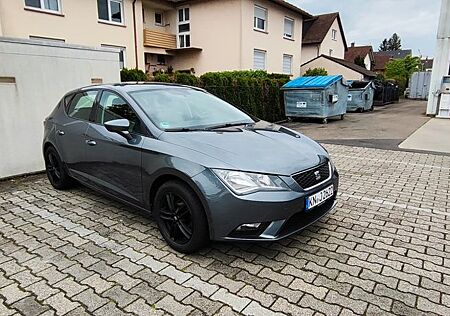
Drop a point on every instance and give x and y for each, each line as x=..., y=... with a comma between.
x=56, y=170
x=180, y=217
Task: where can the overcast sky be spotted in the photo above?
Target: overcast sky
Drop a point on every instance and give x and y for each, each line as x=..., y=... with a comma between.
x=370, y=21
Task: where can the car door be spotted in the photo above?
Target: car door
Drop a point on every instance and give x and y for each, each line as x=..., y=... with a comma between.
x=113, y=162
x=71, y=129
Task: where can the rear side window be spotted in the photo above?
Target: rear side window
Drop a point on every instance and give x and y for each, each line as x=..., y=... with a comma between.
x=81, y=105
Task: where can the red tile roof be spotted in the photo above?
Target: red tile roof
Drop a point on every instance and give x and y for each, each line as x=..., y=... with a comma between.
x=355, y=51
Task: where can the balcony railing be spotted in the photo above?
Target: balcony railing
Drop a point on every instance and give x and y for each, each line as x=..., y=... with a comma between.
x=159, y=39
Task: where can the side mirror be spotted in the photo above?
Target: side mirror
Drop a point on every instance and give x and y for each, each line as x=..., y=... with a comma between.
x=120, y=127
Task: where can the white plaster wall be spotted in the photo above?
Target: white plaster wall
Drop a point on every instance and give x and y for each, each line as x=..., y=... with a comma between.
x=337, y=45
x=332, y=68
x=43, y=74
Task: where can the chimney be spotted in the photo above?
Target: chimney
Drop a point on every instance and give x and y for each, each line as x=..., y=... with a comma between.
x=353, y=44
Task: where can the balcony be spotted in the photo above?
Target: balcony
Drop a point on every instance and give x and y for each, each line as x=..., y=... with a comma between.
x=159, y=39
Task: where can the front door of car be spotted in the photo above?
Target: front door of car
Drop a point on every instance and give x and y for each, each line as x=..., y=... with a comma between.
x=71, y=129
x=114, y=162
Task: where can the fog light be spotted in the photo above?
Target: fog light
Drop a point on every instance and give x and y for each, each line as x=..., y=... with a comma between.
x=247, y=227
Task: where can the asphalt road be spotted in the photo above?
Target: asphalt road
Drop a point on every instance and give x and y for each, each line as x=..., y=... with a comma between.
x=384, y=128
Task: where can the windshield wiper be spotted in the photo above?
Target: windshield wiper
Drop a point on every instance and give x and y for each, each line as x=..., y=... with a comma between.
x=185, y=129
x=228, y=125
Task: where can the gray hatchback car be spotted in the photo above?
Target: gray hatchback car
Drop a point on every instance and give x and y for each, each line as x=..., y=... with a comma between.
x=203, y=168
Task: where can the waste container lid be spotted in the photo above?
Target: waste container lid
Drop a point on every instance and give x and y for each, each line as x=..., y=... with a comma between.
x=312, y=82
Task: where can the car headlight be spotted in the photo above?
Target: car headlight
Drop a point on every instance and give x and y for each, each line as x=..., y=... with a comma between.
x=247, y=182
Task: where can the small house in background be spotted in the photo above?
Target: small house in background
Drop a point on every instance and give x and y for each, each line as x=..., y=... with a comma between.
x=380, y=63
x=323, y=35
x=360, y=96
x=363, y=52
x=427, y=64
x=319, y=97
x=337, y=66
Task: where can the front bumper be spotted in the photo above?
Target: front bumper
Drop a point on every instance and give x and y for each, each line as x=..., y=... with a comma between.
x=280, y=213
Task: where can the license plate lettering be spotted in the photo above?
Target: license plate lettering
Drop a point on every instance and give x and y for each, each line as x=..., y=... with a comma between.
x=319, y=197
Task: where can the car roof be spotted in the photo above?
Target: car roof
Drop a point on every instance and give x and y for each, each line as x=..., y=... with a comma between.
x=139, y=86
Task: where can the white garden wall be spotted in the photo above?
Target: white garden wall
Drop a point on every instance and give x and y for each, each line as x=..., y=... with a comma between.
x=33, y=77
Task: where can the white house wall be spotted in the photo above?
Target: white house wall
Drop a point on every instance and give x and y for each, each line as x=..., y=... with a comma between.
x=332, y=68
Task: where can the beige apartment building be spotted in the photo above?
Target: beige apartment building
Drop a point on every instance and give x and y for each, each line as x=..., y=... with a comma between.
x=196, y=36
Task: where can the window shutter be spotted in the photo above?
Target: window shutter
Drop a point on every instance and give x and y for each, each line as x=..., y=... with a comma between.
x=259, y=60
x=288, y=27
x=260, y=13
x=287, y=64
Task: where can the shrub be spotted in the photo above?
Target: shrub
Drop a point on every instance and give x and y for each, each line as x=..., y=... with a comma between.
x=132, y=75
x=255, y=92
x=316, y=72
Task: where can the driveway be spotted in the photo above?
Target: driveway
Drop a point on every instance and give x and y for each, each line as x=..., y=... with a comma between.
x=386, y=127
x=384, y=250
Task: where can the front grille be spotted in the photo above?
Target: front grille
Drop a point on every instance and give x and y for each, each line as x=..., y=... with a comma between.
x=308, y=179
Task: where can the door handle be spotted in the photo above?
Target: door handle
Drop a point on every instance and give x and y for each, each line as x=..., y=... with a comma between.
x=60, y=132
x=91, y=142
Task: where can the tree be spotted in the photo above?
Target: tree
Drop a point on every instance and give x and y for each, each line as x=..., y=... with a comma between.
x=402, y=69
x=360, y=61
x=394, y=43
x=316, y=72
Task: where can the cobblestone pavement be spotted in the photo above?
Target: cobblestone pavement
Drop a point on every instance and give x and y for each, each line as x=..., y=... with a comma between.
x=385, y=250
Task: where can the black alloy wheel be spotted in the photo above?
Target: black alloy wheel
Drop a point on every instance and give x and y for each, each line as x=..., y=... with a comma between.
x=180, y=216
x=56, y=171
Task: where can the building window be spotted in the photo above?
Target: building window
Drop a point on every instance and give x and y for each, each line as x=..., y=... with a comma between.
x=334, y=34
x=160, y=59
x=159, y=19
x=122, y=53
x=184, y=28
x=287, y=64
x=288, y=28
x=331, y=52
x=260, y=20
x=48, y=5
x=110, y=10
x=259, y=59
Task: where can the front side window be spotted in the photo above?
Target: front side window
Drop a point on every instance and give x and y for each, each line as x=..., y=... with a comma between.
x=113, y=107
x=288, y=28
x=260, y=18
x=110, y=10
x=49, y=5
x=179, y=108
x=184, y=28
x=259, y=59
x=80, y=106
x=287, y=64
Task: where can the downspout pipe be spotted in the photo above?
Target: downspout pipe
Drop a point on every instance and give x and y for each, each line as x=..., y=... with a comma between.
x=135, y=35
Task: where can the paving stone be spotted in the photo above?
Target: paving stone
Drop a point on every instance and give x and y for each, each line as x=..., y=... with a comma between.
x=29, y=306
x=60, y=303
x=12, y=293
x=169, y=304
x=121, y=297
x=148, y=293
x=140, y=307
x=90, y=299
x=207, y=306
x=236, y=302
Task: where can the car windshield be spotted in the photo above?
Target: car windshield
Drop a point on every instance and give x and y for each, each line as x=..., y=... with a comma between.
x=186, y=109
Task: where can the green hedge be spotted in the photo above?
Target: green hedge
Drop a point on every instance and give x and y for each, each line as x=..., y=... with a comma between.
x=132, y=75
x=255, y=92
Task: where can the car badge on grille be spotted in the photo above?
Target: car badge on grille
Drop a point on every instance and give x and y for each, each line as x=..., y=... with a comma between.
x=317, y=174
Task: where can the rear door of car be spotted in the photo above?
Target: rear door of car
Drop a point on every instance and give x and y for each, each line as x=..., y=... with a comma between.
x=114, y=163
x=71, y=129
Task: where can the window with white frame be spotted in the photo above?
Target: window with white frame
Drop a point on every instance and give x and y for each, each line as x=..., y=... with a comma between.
x=259, y=59
x=334, y=34
x=260, y=19
x=287, y=64
x=183, y=28
x=110, y=10
x=46, y=5
x=288, y=28
x=159, y=18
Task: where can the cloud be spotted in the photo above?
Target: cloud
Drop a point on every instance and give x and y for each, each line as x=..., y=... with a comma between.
x=370, y=21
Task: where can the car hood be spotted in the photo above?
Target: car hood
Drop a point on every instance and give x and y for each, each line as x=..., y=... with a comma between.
x=264, y=147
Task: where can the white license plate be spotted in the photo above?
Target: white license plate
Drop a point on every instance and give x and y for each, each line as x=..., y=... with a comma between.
x=319, y=197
